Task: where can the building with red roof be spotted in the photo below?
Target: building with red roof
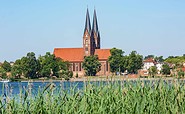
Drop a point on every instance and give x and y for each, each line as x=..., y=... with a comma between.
x=91, y=46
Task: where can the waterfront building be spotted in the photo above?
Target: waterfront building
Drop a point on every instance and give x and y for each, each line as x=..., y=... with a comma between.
x=91, y=46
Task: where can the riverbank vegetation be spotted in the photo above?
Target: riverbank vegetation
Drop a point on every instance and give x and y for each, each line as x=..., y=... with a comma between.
x=50, y=67
x=30, y=67
x=126, y=97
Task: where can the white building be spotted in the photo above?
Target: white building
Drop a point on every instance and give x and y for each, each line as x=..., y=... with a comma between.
x=148, y=63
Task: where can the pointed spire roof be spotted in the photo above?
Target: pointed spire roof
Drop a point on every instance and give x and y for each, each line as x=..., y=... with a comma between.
x=87, y=22
x=95, y=23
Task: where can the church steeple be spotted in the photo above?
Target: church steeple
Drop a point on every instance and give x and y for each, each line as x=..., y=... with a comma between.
x=95, y=23
x=95, y=32
x=88, y=41
x=87, y=23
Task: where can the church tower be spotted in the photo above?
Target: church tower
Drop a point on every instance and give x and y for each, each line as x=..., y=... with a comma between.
x=88, y=41
x=95, y=34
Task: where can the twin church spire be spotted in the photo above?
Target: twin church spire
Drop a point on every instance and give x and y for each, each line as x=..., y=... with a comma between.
x=91, y=36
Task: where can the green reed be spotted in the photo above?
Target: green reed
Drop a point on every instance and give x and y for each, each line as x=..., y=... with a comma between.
x=129, y=97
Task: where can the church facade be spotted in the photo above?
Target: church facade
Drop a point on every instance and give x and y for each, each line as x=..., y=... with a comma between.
x=91, y=46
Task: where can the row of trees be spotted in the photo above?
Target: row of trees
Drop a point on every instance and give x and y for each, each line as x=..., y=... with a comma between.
x=120, y=63
x=175, y=68
x=31, y=67
x=165, y=70
x=48, y=65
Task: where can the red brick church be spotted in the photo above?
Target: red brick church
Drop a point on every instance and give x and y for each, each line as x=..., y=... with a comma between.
x=91, y=46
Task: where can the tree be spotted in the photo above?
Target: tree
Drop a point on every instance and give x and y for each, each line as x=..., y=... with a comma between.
x=6, y=66
x=50, y=65
x=91, y=65
x=149, y=56
x=31, y=65
x=152, y=71
x=180, y=73
x=117, y=60
x=159, y=59
x=2, y=73
x=66, y=74
x=165, y=69
x=135, y=62
x=16, y=70
x=26, y=66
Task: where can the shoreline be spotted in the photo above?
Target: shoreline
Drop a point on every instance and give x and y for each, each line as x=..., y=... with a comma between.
x=101, y=79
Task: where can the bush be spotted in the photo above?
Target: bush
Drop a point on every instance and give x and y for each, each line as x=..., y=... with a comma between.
x=66, y=74
x=180, y=74
x=76, y=75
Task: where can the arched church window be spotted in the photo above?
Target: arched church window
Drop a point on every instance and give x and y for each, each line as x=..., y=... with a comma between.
x=86, y=42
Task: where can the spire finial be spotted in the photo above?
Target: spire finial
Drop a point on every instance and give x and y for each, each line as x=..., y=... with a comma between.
x=87, y=22
x=95, y=23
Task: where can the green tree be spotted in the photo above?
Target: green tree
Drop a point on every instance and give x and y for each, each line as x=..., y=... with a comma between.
x=66, y=74
x=91, y=65
x=117, y=60
x=50, y=65
x=165, y=69
x=152, y=71
x=31, y=65
x=26, y=66
x=149, y=56
x=6, y=66
x=159, y=59
x=180, y=73
x=2, y=73
x=16, y=70
x=135, y=62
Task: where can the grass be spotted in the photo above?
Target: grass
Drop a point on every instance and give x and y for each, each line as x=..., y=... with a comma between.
x=129, y=97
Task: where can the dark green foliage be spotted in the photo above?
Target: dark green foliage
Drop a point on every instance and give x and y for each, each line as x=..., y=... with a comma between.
x=66, y=74
x=6, y=66
x=149, y=56
x=50, y=65
x=2, y=73
x=165, y=69
x=159, y=59
x=135, y=62
x=31, y=65
x=117, y=60
x=152, y=71
x=180, y=73
x=76, y=75
x=17, y=69
x=119, y=63
x=91, y=65
x=44, y=66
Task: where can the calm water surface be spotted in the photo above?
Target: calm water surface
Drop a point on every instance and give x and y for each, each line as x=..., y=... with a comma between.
x=16, y=87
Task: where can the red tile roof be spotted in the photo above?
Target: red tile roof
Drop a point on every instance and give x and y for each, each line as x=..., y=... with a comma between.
x=149, y=60
x=70, y=54
x=103, y=54
x=183, y=69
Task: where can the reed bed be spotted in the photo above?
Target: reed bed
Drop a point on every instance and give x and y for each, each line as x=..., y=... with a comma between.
x=118, y=97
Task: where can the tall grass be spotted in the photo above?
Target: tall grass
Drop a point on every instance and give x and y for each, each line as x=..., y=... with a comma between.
x=130, y=97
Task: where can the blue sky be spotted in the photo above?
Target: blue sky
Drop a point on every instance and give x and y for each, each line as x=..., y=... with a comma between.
x=147, y=26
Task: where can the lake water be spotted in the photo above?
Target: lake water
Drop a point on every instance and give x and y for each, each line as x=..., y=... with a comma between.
x=16, y=87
